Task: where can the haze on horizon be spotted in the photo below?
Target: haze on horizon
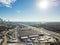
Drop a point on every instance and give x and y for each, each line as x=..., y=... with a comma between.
x=30, y=10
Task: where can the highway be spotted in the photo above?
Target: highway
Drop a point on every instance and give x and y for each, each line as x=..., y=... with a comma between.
x=16, y=43
x=54, y=34
x=47, y=32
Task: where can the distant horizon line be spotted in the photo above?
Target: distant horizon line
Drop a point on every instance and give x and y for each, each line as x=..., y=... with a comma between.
x=29, y=20
x=32, y=21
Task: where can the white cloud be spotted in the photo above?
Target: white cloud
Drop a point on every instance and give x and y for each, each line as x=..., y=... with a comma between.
x=7, y=3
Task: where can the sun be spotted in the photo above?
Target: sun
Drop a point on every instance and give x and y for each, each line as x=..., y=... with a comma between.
x=43, y=4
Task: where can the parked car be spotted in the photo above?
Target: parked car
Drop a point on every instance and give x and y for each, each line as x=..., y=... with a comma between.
x=29, y=43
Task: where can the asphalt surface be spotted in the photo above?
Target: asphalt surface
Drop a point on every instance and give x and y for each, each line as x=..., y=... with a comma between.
x=42, y=30
x=16, y=44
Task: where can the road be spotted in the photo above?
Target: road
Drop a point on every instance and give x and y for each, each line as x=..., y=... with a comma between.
x=13, y=44
x=56, y=35
x=16, y=43
x=42, y=30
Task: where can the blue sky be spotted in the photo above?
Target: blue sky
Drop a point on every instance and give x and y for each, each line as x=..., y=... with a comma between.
x=26, y=10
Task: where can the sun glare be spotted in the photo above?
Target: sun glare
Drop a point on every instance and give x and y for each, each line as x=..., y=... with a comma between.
x=43, y=4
